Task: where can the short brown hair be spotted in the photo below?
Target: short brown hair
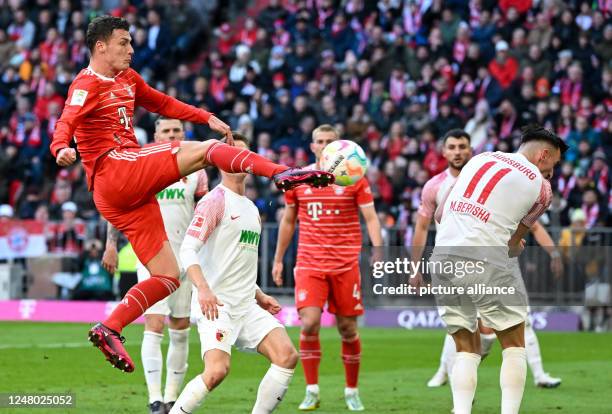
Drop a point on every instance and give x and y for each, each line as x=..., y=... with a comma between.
x=101, y=28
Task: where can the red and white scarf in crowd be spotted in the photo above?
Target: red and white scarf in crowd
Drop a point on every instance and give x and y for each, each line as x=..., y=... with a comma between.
x=592, y=213
x=20, y=136
x=570, y=92
x=565, y=185
x=412, y=16
x=507, y=126
x=460, y=50
x=602, y=181
x=397, y=88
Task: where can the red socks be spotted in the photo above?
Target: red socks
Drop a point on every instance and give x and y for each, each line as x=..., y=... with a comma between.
x=234, y=160
x=310, y=354
x=351, y=357
x=140, y=297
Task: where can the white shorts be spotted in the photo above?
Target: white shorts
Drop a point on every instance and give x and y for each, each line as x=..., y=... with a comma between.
x=177, y=305
x=245, y=332
x=498, y=312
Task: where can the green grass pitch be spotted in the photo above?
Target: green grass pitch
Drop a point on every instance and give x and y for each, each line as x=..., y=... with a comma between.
x=396, y=364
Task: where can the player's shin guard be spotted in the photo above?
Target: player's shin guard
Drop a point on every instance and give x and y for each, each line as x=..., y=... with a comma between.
x=532, y=348
x=512, y=379
x=176, y=363
x=140, y=297
x=192, y=396
x=272, y=389
x=235, y=160
x=351, y=358
x=464, y=380
x=152, y=362
x=310, y=355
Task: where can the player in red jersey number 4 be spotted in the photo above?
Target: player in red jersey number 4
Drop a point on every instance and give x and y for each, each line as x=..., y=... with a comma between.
x=125, y=177
x=327, y=268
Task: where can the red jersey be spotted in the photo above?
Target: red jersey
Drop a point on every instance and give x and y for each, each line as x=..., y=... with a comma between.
x=330, y=231
x=99, y=111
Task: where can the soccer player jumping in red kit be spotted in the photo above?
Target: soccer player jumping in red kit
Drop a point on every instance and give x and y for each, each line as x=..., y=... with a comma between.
x=125, y=177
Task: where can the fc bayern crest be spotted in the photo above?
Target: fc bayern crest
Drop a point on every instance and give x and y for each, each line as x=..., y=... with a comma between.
x=18, y=239
x=220, y=335
x=128, y=89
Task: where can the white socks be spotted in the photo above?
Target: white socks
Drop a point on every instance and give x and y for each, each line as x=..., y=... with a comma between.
x=486, y=342
x=152, y=363
x=176, y=363
x=534, y=358
x=191, y=398
x=449, y=352
x=512, y=379
x=464, y=379
x=314, y=388
x=272, y=389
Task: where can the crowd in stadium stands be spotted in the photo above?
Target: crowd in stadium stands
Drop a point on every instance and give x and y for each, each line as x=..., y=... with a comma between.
x=392, y=75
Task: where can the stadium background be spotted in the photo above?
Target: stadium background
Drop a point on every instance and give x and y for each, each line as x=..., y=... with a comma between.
x=391, y=75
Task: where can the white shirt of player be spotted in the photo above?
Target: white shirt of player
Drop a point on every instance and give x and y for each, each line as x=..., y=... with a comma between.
x=493, y=194
x=223, y=238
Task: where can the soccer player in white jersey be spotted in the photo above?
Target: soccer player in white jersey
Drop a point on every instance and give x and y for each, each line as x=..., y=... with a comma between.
x=220, y=253
x=177, y=204
x=493, y=204
x=457, y=151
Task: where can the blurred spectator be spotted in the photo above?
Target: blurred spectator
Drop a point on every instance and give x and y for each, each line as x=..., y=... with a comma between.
x=6, y=212
x=96, y=283
x=22, y=30
x=69, y=232
x=504, y=67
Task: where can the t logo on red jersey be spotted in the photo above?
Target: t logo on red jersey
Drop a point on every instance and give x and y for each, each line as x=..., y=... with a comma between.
x=314, y=209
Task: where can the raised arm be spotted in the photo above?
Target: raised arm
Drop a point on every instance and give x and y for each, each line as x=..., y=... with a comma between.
x=155, y=101
x=286, y=230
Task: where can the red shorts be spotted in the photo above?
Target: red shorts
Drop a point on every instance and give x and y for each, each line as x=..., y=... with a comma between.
x=341, y=291
x=125, y=185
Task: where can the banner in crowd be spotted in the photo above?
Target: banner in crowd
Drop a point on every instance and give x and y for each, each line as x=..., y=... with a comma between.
x=21, y=238
x=93, y=311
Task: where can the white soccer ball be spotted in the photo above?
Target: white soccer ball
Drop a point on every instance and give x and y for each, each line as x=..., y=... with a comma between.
x=345, y=160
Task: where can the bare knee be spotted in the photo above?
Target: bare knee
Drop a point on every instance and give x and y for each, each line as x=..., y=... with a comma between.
x=467, y=341
x=178, y=323
x=154, y=323
x=512, y=337
x=214, y=374
x=286, y=357
x=311, y=325
x=347, y=327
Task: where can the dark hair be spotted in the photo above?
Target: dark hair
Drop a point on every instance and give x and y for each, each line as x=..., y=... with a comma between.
x=165, y=118
x=456, y=133
x=101, y=28
x=535, y=132
x=239, y=137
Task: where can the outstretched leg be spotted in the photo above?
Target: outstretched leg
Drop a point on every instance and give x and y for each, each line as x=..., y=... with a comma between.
x=194, y=156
